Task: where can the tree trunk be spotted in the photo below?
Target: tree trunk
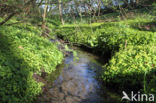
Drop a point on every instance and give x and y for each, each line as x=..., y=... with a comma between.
x=44, y=16
x=60, y=11
x=40, y=3
x=99, y=7
x=15, y=12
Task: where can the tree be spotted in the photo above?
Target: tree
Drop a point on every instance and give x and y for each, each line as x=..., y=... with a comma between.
x=9, y=8
x=44, y=15
x=60, y=11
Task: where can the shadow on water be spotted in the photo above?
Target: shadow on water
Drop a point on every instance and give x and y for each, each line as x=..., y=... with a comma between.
x=77, y=82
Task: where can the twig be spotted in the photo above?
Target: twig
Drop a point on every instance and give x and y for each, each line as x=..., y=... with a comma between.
x=15, y=23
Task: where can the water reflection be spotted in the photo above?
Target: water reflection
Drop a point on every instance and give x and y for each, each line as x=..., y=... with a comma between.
x=76, y=83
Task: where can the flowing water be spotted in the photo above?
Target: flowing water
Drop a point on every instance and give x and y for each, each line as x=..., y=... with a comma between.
x=76, y=82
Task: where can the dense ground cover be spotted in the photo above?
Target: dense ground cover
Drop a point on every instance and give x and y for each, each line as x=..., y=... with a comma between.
x=24, y=53
x=131, y=44
x=125, y=33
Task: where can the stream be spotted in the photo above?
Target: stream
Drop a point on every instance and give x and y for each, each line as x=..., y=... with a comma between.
x=76, y=82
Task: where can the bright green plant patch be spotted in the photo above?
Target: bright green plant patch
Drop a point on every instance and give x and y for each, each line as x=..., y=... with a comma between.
x=23, y=52
x=130, y=46
x=131, y=67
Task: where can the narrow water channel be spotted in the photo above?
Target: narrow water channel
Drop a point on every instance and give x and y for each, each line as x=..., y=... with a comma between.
x=77, y=82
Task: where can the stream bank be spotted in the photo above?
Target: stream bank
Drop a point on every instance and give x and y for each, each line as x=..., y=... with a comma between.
x=76, y=81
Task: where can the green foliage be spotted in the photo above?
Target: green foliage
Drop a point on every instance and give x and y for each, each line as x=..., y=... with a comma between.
x=108, y=36
x=154, y=9
x=128, y=67
x=53, y=21
x=23, y=52
x=131, y=44
x=118, y=35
